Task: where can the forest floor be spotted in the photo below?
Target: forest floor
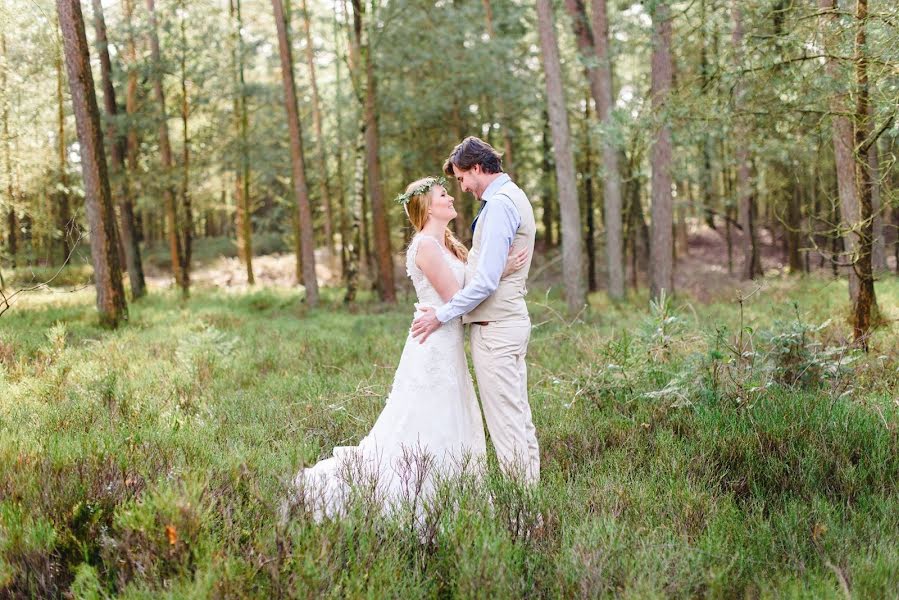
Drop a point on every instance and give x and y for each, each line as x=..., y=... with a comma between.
x=701, y=273
x=698, y=448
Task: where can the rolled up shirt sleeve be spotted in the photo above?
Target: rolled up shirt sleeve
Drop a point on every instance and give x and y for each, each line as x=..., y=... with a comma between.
x=500, y=223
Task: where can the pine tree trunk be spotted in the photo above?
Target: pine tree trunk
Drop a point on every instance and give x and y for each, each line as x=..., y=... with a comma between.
x=794, y=229
x=612, y=192
x=165, y=150
x=707, y=180
x=132, y=145
x=590, y=234
x=843, y=146
x=380, y=229
x=324, y=193
x=243, y=216
x=64, y=221
x=661, y=263
x=117, y=155
x=548, y=201
x=7, y=155
x=572, y=248
x=503, y=116
x=878, y=249
x=681, y=234
x=354, y=241
x=97, y=196
x=595, y=47
x=341, y=186
x=751, y=260
x=866, y=302
x=187, y=229
x=298, y=167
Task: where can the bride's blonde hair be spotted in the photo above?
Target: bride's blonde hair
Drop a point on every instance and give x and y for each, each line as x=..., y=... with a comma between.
x=417, y=210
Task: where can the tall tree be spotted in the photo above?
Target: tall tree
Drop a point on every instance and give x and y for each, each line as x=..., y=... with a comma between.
x=866, y=301
x=338, y=112
x=572, y=245
x=97, y=197
x=878, y=249
x=752, y=265
x=298, y=167
x=132, y=141
x=64, y=220
x=384, y=257
x=503, y=116
x=547, y=168
x=590, y=233
x=324, y=194
x=594, y=46
x=243, y=213
x=661, y=264
x=11, y=221
x=843, y=143
x=354, y=210
x=116, y=142
x=187, y=226
x=179, y=265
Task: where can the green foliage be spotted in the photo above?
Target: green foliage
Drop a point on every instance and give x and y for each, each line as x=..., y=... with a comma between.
x=154, y=459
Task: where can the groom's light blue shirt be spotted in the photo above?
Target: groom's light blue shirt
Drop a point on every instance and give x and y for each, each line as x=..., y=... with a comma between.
x=499, y=222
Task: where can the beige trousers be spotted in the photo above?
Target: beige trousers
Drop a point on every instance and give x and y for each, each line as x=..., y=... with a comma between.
x=498, y=351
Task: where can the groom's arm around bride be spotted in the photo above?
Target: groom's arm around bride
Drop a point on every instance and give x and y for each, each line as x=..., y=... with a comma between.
x=493, y=303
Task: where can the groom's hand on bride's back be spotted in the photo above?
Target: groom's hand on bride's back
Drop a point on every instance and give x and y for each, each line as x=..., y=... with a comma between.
x=425, y=325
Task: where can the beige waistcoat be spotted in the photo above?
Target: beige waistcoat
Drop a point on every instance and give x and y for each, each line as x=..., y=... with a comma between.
x=507, y=302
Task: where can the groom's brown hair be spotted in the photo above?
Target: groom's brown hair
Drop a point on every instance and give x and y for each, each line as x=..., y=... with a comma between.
x=474, y=151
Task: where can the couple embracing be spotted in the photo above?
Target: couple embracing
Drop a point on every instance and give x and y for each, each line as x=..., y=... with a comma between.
x=431, y=426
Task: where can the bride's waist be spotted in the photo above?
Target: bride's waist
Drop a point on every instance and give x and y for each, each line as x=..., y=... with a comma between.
x=422, y=305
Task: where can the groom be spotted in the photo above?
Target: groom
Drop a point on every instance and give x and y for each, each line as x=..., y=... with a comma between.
x=494, y=305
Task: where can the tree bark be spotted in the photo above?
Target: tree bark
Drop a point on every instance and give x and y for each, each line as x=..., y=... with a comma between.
x=386, y=287
x=752, y=266
x=866, y=302
x=117, y=160
x=595, y=47
x=243, y=215
x=794, y=229
x=11, y=221
x=165, y=150
x=355, y=219
x=324, y=193
x=341, y=186
x=590, y=233
x=547, y=165
x=843, y=147
x=508, y=162
x=132, y=145
x=97, y=196
x=572, y=247
x=661, y=264
x=878, y=249
x=64, y=221
x=187, y=229
x=298, y=167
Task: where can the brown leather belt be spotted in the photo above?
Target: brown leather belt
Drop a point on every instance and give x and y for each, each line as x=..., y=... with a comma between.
x=483, y=323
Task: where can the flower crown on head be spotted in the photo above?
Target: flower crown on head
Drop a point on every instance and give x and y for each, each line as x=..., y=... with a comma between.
x=422, y=188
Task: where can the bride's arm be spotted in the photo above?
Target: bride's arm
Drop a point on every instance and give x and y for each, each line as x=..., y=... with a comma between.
x=429, y=258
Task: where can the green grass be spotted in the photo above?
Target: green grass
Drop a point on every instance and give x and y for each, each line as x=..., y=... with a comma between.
x=152, y=459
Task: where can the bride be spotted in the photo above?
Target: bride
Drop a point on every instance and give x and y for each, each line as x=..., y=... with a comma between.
x=431, y=425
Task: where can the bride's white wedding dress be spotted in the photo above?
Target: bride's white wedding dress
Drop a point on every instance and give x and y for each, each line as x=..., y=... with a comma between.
x=430, y=427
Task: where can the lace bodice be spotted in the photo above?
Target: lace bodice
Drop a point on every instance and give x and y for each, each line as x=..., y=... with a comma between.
x=426, y=293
